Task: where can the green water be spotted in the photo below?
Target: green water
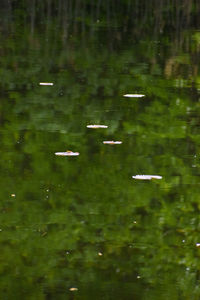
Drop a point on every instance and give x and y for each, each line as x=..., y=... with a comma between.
x=83, y=222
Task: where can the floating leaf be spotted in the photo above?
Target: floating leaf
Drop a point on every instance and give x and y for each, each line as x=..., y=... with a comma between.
x=97, y=126
x=46, y=83
x=73, y=289
x=67, y=153
x=112, y=142
x=147, y=177
x=133, y=95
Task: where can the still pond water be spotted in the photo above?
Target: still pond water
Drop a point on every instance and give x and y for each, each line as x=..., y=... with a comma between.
x=79, y=226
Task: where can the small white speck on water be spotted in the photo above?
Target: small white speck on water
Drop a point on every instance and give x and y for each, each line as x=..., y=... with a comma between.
x=46, y=83
x=67, y=153
x=198, y=245
x=112, y=142
x=183, y=241
x=133, y=95
x=97, y=126
x=135, y=222
x=100, y=254
x=138, y=277
x=13, y=195
x=73, y=289
x=146, y=177
x=67, y=252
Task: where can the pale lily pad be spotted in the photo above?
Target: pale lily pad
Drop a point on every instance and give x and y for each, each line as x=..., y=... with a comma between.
x=112, y=142
x=134, y=95
x=97, y=126
x=67, y=153
x=147, y=177
x=46, y=83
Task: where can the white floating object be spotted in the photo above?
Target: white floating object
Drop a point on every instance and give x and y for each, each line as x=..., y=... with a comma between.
x=112, y=142
x=100, y=254
x=198, y=245
x=13, y=195
x=133, y=95
x=67, y=153
x=146, y=177
x=46, y=83
x=73, y=289
x=97, y=126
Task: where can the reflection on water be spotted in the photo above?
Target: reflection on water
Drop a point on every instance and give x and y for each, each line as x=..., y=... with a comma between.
x=81, y=227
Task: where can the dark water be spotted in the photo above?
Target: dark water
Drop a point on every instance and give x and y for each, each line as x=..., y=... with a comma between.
x=82, y=222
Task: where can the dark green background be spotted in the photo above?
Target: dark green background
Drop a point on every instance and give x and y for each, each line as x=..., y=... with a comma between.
x=67, y=210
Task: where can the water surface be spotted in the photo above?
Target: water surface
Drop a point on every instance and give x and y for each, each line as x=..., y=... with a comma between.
x=81, y=227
